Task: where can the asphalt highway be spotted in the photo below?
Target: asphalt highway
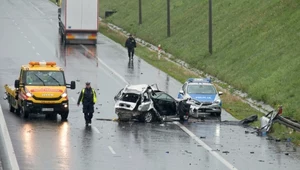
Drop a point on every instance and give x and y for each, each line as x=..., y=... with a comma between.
x=29, y=32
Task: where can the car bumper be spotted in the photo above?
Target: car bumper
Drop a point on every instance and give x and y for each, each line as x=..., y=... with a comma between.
x=214, y=108
x=46, y=108
x=127, y=114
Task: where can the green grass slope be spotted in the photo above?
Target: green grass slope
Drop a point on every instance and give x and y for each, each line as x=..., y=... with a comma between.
x=256, y=44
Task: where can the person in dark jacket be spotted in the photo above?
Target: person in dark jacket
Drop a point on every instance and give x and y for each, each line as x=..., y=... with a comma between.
x=130, y=45
x=88, y=98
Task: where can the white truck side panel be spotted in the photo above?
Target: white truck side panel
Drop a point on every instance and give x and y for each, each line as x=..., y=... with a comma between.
x=89, y=15
x=63, y=10
x=74, y=14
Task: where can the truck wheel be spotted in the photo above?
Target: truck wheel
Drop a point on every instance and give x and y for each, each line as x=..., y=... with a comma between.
x=64, y=115
x=11, y=108
x=24, y=113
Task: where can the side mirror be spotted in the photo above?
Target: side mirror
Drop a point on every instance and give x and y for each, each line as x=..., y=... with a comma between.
x=17, y=84
x=73, y=85
x=180, y=91
x=220, y=93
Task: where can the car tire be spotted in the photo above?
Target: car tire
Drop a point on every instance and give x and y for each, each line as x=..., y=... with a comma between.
x=184, y=117
x=11, y=108
x=24, y=113
x=148, y=117
x=218, y=114
x=64, y=115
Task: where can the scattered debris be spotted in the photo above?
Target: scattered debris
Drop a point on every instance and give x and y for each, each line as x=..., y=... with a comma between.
x=248, y=120
x=267, y=122
x=188, y=152
x=226, y=152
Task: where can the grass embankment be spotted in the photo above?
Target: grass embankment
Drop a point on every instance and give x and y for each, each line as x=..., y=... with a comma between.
x=232, y=104
x=256, y=43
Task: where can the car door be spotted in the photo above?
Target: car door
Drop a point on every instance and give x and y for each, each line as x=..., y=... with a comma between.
x=165, y=104
x=117, y=97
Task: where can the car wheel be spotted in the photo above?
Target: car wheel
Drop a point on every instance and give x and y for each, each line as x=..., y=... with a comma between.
x=184, y=117
x=148, y=117
x=218, y=114
x=24, y=113
x=64, y=115
x=11, y=108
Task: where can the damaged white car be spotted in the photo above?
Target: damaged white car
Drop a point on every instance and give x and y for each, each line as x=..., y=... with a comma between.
x=147, y=103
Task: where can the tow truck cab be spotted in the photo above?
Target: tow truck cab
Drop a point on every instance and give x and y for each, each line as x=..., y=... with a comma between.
x=41, y=88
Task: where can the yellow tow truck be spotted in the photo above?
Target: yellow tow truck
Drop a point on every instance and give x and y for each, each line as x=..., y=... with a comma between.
x=40, y=89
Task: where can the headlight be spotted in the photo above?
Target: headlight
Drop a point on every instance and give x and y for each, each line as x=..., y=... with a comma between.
x=64, y=95
x=28, y=94
x=217, y=101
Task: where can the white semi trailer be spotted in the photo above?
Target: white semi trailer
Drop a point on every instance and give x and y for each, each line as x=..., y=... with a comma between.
x=78, y=21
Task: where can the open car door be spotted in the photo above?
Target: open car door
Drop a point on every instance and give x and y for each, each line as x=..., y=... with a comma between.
x=164, y=104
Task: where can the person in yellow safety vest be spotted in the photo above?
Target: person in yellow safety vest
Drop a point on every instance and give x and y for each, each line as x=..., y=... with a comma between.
x=88, y=98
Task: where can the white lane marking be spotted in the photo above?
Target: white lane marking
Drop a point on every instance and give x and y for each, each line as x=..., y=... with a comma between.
x=7, y=143
x=96, y=129
x=111, y=150
x=25, y=36
x=29, y=42
x=112, y=70
x=33, y=47
x=37, y=53
x=37, y=8
x=72, y=98
x=210, y=150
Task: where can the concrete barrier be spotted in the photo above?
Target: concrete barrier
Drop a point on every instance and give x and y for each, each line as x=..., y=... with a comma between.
x=7, y=153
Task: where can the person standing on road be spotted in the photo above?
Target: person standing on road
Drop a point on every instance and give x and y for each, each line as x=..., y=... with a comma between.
x=130, y=45
x=88, y=98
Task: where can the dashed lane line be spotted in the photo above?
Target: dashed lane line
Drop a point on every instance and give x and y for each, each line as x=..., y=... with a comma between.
x=205, y=146
x=111, y=150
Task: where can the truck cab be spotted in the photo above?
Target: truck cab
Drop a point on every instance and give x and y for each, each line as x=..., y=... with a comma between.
x=40, y=89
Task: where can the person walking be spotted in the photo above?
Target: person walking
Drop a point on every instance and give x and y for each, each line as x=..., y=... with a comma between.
x=88, y=98
x=130, y=44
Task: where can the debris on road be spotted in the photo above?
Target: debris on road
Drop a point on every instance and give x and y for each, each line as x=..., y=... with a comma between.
x=248, y=120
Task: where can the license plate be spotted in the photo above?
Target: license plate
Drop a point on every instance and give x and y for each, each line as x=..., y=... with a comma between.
x=47, y=109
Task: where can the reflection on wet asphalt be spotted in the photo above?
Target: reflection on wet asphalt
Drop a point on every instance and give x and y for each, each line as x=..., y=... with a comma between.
x=27, y=34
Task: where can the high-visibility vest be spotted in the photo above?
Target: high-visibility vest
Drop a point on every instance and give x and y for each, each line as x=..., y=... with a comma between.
x=94, y=95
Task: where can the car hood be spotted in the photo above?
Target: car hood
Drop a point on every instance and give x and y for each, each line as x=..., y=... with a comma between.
x=203, y=97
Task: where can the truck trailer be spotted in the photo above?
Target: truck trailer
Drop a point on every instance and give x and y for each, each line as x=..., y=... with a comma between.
x=78, y=21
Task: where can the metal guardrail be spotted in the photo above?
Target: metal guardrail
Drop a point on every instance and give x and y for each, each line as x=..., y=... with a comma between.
x=289, y=123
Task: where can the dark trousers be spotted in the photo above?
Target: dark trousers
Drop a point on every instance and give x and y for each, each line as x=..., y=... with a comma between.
x=130, y=52
x=88, y=110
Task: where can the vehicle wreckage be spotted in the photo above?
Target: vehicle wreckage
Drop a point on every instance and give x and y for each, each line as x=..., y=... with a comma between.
x=147, y=103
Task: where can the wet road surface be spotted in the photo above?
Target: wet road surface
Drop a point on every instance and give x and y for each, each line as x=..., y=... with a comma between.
x=29, y=32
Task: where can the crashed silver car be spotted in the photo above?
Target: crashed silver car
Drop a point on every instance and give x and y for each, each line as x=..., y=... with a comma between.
x=147, y=103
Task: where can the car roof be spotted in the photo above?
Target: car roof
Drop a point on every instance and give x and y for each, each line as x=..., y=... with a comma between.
x=139, y=88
